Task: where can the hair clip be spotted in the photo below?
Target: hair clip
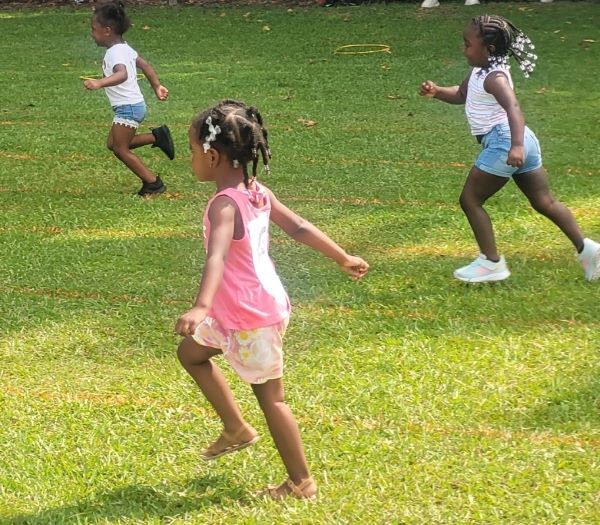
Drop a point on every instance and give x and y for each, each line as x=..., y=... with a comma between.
x=212, y=136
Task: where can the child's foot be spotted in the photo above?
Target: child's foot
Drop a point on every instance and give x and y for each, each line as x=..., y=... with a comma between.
x=152, y=188
x=163, y=141
x=306, y=489
x=483, y=270
x=590, y=259
x=228, y=443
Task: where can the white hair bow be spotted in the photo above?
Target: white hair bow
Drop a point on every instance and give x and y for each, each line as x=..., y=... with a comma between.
x=212, y=136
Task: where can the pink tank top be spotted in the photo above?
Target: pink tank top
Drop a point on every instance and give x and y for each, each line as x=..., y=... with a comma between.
x=251, y=294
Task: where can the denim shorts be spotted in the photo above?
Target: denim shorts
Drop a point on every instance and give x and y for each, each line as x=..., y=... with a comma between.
x=130, y=115
x=496, y=145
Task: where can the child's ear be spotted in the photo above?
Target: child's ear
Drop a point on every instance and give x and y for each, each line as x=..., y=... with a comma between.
x=214, y=157
x=492, y=49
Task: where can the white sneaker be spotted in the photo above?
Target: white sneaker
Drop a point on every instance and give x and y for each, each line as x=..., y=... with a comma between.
x=482, y=270
x=590, y=259
x=476, y=2
x=430, y=3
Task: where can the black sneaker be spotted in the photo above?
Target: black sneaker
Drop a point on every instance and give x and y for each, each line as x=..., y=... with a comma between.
x=164, y=141
x=152, y=188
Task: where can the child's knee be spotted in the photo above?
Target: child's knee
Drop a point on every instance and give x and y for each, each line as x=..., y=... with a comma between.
x=469, y=200
x=184, y=351
x=465, y=201
x=270, y=394
x=120, y=152
x=543, y=205
x=191, y=353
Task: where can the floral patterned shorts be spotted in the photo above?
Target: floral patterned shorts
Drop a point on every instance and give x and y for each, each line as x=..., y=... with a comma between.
x=256, y=355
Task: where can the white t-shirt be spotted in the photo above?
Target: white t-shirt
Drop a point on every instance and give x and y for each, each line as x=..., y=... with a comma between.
x=482, y=109
x=127, y=92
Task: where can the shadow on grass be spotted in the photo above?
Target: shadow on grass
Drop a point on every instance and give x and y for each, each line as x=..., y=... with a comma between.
x=137, y=503
x=570, y=409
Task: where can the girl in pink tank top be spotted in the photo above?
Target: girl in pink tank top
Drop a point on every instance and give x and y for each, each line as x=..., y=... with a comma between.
x=242, y=309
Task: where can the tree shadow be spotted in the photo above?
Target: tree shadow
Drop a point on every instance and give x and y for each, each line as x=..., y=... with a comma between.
x=138, y=503
x=570, y=408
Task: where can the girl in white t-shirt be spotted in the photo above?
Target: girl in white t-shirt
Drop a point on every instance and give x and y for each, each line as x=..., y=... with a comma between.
x=119, y=66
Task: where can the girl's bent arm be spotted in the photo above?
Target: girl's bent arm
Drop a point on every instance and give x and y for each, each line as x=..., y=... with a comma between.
x=161, y=92
x=118, y=77
x=221, y=216
x=497, y=84
x=303, y=231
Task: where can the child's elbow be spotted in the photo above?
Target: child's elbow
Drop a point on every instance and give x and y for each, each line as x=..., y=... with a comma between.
x=298, y=229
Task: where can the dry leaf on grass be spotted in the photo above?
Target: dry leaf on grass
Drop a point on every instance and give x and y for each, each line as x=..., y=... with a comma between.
x=307, y=122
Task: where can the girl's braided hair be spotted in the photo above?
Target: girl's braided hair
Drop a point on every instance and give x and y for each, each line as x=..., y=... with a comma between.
x=507, y=40
x=112, y=14
x=237, y=131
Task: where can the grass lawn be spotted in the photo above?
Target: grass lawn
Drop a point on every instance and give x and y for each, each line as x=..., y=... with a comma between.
x=421, y=400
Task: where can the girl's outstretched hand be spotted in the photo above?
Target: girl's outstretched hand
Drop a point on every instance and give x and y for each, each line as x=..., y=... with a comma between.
x=428, y=89
x=355, y=267
x=189, y=321
x=162, y=93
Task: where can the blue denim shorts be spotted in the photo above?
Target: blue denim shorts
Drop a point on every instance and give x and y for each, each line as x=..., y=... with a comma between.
x=130, y=115
x=496, y=145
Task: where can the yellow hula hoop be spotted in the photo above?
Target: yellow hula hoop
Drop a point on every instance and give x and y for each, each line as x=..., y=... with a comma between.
x=351, y=49
x=98, y=77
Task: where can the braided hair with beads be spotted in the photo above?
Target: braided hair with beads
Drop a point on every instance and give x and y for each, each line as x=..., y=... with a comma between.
x=507, y=40
x=237, y=131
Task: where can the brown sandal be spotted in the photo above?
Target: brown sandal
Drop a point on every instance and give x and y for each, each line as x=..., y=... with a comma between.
x=306, y=489
x=228, y=443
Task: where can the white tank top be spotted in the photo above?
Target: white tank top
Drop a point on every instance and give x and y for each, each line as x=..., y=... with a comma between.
x=482, y=109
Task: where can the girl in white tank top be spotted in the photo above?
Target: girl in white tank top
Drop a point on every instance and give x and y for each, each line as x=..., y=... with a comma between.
x=510, y=148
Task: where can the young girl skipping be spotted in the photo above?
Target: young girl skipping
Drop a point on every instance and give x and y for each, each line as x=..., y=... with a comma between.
x=509, y=148
x=242, y=309
x=119, y=66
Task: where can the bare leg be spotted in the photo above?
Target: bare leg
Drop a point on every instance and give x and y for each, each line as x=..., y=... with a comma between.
x=196, y=360
x=283, y=428
x=119, y=140
x=145, y=139
x=534, y=184
x=478, y=188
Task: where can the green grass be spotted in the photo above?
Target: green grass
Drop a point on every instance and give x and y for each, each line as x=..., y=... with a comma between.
x=421, y=400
